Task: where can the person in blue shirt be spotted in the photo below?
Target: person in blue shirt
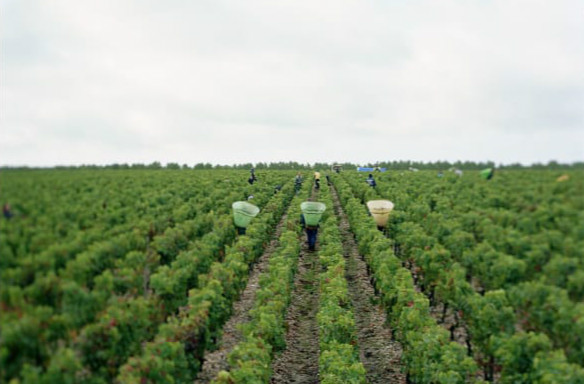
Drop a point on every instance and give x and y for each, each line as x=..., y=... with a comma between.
x=298, y=182
x=311, y=233
x=7, y=211
x=252, y=177
x=371, y=181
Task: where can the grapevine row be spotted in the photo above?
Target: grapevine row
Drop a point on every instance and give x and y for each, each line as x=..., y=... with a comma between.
x=435, y=249
x=428, y=355
x=263, y=336
x=179, y=346
x=339, y=354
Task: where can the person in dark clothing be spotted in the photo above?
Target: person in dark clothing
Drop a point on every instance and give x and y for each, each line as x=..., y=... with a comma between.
x=7, y=211
x=371, y=181
x=298, y=182
x=240, y=230
x=488, y=173
x=277, y=189
x=311, y=233
x=328, y=180
x=491, y=174
x=317, y=180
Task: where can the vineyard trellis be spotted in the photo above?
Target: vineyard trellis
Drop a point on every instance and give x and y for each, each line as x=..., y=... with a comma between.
x=130, y=275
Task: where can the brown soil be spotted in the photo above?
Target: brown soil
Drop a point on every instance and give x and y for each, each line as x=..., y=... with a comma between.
x=298, y=363
x=379, y=353
x=216, y=361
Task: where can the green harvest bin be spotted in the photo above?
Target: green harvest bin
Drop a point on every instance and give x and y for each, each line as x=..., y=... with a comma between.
x=243, y=212
x=380, y=210
x=312, y=212
x=485, y=173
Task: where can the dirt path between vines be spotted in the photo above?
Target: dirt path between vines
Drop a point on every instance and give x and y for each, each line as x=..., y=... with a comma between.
x=298, y=363
x=379, y=353
x=216, y=361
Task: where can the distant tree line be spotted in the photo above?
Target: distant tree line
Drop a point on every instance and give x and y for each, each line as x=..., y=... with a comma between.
x=395, y=165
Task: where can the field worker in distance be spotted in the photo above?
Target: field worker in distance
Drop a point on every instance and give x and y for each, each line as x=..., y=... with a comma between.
x=297, y=182
x=491, y=174
x=317, y=180
x=277, y=189
x=488, y=173
x=311, y=233
x=328, y=179
x=7, y=211
x=371, y=181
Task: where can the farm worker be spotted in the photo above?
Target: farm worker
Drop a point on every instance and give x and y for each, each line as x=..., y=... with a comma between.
x=6, y=210
x=491, y=174
x=277, y=189
x=488, y=173
x=371, y=181
x=328, y=180
x=252, y=176
x=240, y=230
x=311, y=233
x=297, y=182
x=317, y=179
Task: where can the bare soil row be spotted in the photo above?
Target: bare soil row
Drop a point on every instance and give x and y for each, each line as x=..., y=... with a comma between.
x=379, y=353
x=298, y=363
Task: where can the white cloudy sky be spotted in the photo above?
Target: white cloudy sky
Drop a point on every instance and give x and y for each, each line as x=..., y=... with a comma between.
x=221, y=81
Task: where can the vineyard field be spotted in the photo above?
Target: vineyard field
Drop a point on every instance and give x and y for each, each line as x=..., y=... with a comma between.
x=140, y=276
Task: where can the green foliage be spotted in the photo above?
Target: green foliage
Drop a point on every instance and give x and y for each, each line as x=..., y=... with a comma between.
x=137, y=267
x=95, y=276
x=339, y=356
x=264, y=334
x=339, y=365
x=164, y=362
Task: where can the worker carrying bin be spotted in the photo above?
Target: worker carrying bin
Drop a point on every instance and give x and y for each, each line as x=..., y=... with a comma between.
x=311, y=215
x=488, y=173
x=380, y=210
x=316, y=180
x=243, y=212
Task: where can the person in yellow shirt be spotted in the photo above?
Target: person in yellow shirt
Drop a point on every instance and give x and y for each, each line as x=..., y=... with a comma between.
x=317, y=179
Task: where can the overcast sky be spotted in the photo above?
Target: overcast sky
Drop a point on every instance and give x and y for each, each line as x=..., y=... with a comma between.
x=124, y=81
